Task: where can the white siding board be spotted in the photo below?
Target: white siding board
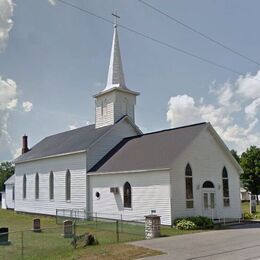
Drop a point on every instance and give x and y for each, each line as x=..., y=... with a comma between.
x=150, y=191
x=75, y=163
x=9, y=196
x=207, y=159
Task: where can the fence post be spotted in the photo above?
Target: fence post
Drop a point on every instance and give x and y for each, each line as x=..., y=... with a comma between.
x=56, y=217
x=74, y=228
x=117, y=232
x=121, y=218
x=96, y=219
x=22, y=244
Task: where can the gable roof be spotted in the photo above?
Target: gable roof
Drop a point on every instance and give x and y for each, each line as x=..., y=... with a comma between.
x=66, y=142
x=148, y=151
x=10, y=180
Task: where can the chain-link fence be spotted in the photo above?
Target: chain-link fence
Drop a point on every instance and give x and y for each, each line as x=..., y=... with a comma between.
x=50, y=243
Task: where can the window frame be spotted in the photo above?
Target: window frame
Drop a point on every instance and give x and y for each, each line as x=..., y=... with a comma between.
x=189, y=187
x=24, y=186
x=68, y=186
x=37, y=186
x=225, y=188
x=127, y=197
x=51, y=185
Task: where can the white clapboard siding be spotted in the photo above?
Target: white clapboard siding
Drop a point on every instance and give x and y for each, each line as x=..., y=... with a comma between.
x=150, y=191
x=9, y=196
x=207, y=159
x=106, y=143
x=75, y=163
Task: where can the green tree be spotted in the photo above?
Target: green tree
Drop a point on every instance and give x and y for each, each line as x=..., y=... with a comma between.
x=250, y=162
x=6, y=171
x=235, y=155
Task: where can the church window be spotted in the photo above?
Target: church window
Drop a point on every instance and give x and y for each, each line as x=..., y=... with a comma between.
x=68, y=185
x=37, y=186
x=226, y=200
x=97, y=195
x=189, y=186
x=13, y=193
x=127, y=195
x=51, y=185
x=24, y=186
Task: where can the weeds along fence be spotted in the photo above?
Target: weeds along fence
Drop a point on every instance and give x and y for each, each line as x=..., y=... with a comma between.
x=51, y=244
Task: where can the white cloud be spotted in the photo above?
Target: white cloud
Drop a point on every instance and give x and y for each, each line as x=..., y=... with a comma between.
x=8, y=101
x=234, y=116
x=52, y=2
x=27, y=106
x=6, y=23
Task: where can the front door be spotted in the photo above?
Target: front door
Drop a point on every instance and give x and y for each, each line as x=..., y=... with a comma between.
x=208, y=199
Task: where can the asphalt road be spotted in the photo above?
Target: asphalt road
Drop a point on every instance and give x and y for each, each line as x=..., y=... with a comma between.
x=236, y=243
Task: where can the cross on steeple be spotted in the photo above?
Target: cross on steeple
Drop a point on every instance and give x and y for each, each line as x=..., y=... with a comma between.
x=115, y=18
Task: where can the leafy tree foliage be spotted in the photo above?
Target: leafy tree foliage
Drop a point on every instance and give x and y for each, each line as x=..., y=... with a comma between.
x=6, y=171
x=235, y=155
x=250, y=162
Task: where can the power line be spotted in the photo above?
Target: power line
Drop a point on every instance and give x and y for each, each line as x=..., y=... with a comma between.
x=200, y=33
x=155, y=40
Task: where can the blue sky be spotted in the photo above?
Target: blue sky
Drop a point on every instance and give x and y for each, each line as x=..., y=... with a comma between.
x=53, y=59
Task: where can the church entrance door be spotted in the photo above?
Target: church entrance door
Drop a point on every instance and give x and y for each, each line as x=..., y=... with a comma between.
x=208, y=199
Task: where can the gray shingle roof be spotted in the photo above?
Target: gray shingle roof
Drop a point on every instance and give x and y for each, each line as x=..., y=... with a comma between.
x=10, y=180
x=148, y=151
x=67, y=142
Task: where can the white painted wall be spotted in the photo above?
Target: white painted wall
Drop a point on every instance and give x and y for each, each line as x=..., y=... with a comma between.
x=76, y=163
x=114, y=108
x=121, y=130
x=9, y=196
x=207, y=159
x=150, y=191
x=3, y=203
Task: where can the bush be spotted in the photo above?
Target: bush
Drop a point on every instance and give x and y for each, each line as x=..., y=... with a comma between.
x=199, y=221
x=185, y=225
x=248, y=215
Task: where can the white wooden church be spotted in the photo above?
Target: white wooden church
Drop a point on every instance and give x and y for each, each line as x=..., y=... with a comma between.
x=114, y=169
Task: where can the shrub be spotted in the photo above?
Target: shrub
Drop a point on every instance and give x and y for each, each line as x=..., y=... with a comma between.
x=199, y=221
x=248, y=215
x=186, y=225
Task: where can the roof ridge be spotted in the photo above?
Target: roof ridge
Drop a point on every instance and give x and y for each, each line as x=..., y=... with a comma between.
x=166, y=130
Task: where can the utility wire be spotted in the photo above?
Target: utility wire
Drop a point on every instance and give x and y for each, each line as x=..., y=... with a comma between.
x=200, y=33
x=155, y=40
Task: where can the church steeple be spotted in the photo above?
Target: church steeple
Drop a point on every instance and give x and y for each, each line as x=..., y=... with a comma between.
x=115, y=100
x=115, y=77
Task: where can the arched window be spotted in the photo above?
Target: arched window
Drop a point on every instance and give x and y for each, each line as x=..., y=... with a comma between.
x=189, y=186
x=13, y=193
x=37, y=186
x=68, y=185
x=24, y=186
x=208, y=184
x=127, y=195
x=51, y=185
x=226, y=200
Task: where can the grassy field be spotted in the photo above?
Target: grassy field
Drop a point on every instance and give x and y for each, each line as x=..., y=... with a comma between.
x=246, y=208
x=49, y=244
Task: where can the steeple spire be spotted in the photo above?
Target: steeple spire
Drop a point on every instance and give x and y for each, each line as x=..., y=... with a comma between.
x=115, y=77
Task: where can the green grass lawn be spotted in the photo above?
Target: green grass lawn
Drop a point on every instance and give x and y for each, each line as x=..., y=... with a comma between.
x=246, y=209
x=49, y=244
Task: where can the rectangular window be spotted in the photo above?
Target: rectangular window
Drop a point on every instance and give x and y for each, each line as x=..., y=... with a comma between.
x=225, y=188
x=13, y=193
x=189, y=204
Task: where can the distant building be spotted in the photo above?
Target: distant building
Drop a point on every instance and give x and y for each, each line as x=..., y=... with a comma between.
x=114, y=169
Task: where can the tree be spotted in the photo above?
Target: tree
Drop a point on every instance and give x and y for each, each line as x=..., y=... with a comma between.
x=6, y=171
x=250, y=162
x=235, y=155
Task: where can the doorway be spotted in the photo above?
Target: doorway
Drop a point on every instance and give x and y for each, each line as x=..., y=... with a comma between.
x=208, y=199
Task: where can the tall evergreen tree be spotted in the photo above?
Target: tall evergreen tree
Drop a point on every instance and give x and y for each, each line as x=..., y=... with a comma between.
x=6, y=171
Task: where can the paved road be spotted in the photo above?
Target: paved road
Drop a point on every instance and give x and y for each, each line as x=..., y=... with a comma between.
x=237, y=243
